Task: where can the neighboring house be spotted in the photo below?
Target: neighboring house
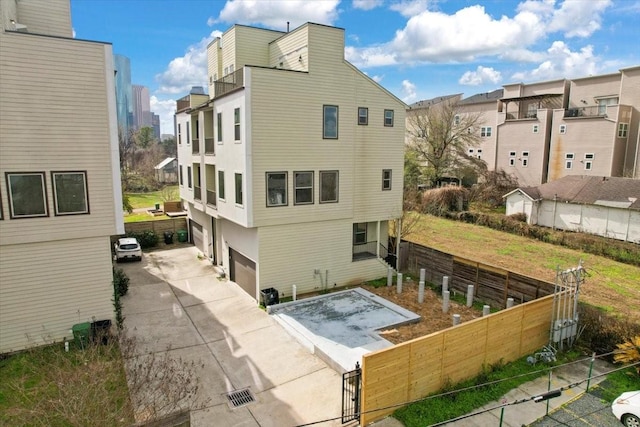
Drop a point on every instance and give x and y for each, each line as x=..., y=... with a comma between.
x=167, y=171
x=485, y=104
x=293, y=164
x=606, y=206
x=60, y=197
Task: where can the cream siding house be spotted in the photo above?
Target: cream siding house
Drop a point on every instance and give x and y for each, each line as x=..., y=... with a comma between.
x=302, y=192
x=60, y=199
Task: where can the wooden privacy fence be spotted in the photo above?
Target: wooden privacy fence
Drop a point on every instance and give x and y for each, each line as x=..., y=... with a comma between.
x=422, y=366
x=159, y=226
x=492, y=285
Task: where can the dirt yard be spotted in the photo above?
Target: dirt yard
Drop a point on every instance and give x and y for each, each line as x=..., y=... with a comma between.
x=433, y=319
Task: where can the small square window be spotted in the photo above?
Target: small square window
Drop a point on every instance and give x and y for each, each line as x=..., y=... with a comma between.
x=70, y=193
x=471, y=151
x=525, y=154
x=27, y=194
x=276, y=189
x=363, y=116
x=485, y=131
x=588, y=165
x=563, y=129
x=512, y=153
x=623, y=130
x=330, y=122
x=569, y=156
x=388, y=118
x=386, y=179
x=589, y=156
x=303, y=188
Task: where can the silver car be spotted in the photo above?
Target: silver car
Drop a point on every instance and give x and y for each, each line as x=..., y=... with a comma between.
x=128, y=248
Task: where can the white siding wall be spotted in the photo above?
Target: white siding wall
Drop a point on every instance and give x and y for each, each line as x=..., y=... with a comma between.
x=518, y=203
x=51, y=17
x=46, y=288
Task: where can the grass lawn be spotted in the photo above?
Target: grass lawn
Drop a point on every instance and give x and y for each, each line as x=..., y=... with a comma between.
x=48, y=386
x=149, y=200
x=609, y=284
x=139, y=217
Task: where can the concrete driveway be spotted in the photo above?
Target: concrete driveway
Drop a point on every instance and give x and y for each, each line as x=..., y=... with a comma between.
x=176, y=300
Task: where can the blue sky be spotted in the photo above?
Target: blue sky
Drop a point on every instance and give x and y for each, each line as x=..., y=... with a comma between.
x=417, y=49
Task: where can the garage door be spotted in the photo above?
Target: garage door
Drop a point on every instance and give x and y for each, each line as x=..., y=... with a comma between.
x=196, y=233
x=243, y=272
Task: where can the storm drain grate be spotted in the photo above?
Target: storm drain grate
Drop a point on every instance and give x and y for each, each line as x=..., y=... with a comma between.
x=240, y=398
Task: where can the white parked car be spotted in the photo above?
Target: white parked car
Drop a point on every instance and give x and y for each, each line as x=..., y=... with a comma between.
x=626, y=408
x=128, y=248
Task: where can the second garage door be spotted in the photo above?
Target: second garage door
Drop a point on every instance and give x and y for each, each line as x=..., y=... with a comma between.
x=243, y=272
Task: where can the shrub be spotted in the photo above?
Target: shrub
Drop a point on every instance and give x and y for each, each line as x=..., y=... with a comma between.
x=602, y=331
x=520, y=216
x=120, y=282
x=446, y=199
x=147, y=238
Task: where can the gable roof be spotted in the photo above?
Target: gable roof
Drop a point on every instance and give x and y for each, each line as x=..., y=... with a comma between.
x=425, y=103
x=480, y=98
x=165, y=162
x=589, y=190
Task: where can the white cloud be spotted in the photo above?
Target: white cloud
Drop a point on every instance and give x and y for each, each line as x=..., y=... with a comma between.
x=562, y=62
x=409, y=91
x=165, y=109
x=275, y=14
x=377, y=78
x=187, y=70
x=578, y=18
x=409, y=8
x=367, y=4
x=482, y=75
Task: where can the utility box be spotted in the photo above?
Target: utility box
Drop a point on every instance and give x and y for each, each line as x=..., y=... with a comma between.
x=269, y=296
x=81, y=334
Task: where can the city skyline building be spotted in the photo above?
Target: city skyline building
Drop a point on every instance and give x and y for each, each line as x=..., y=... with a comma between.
x=124, y=106
x=141, y=106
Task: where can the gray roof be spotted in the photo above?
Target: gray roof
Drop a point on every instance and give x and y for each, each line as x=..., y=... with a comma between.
x=484, y=97
x=433, y=101
x=165, y=162
x=590, y=190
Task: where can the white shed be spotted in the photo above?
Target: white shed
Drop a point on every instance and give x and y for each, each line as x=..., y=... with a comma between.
x=167, y=171
x=606, y=206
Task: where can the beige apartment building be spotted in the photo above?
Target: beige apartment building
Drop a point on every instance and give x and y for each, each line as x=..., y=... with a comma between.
x=292, y=167
x=60, y=197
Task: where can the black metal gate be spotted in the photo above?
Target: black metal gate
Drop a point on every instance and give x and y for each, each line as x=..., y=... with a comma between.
x=351, y=394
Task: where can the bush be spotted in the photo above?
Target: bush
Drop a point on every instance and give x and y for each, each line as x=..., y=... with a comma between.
x=520, y=216
x=147, y=238
x=120, y=282
x=602, y=331
x=445, y=199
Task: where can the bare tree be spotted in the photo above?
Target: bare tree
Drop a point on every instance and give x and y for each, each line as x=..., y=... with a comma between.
x=441, y=135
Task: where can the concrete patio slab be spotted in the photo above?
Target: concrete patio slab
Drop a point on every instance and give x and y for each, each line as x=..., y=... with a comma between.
x=342, y=326
x=196, y=290
x=136, y=300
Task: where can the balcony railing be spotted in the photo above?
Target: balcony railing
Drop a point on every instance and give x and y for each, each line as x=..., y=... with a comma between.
x=593, y=111
x=195, y=146
x=209, y=146
x=211, y=198
x=197, y=193
x=521, y=116
x=228, y=83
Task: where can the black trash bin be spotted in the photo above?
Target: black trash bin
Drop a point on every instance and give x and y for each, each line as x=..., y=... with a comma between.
x=269, y=296
x=101, y=331
x=168, y=237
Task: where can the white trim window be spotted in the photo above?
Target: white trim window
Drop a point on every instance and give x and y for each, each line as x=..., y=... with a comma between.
x=525, y=159
x=623, y=130
x=236, y=124
x=388, y=118
x=363, y=116
x=329, y=181
x=568, y=160
x=563, y=129
x=238, y=182
x=27, y=194
x=70, y=193
x=485, y=131
x=588, y=161
x=330, y=122
x=359, y=233
x=512, y=158
x=276, y=189
x=536, y=128
x=386, y=179
x=479, y=153
x=221, y=185
x=189, y=177
x=303, y=188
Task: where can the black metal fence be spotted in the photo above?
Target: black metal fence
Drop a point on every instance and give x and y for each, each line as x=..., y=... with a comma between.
x=351, y=394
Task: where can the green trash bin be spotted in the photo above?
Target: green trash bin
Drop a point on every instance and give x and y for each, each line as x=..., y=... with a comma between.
x=182, y=236
x=81, y=334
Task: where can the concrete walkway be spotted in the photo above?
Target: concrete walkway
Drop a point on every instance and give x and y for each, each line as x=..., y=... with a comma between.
x=527, y=413
x=177, y=300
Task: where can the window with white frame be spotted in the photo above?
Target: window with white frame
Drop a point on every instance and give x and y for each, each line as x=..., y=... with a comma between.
x=479, y=153
x=303, y=187
x=388, y=118
x=588, y=161
x=221, y=185
x=188, y=127
x=359, y=233
x=236, y=124
x=456, y=119
x=568, y=160
x=276, y=189
x=329, y=186
x=604, y=102
x=623, y=130
x=563, y=129
x=189, y=177
x=70, y=193
x=219, y=126
x=525, y=159
x=536, y=128
x=512, y=158
x=180, y=179
x=238, y=182
x=27, y=194
x=485, y=131
x=386, y=179
x=330, y=122
x=363, y=116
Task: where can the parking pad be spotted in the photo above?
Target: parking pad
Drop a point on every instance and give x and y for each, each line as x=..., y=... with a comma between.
x=340, y=327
